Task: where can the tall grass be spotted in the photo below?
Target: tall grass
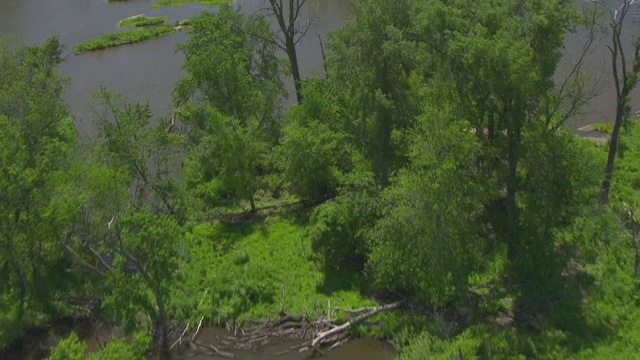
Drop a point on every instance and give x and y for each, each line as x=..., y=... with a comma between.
x=239, y=271
x=124, y=37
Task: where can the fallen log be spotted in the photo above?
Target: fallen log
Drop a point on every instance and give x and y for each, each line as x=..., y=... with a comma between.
x=193, y=338
x=355, y=321
x=222, y=353
x=179, y=341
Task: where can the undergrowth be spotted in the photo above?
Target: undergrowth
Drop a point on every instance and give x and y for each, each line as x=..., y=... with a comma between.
x=235, y=272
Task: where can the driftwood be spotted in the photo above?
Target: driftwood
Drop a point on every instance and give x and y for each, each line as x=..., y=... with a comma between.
x=322, y=333
x=193, y=338
x=355, y=321
x=179, y=341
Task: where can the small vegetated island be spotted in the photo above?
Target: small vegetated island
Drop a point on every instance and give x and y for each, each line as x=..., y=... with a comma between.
x=141, y=27
x=163, y=3
x=135, y=29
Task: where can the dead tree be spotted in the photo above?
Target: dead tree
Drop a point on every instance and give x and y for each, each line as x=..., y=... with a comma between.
x=576, y=88
x=624, y=80
x=287, y=15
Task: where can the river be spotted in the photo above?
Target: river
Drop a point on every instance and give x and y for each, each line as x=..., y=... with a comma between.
x=148, y=71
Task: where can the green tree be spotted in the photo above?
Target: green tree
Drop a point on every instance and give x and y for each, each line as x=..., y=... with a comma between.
x=230, y=70
x=428, y=239
x=143, y=268
x=371, y=63
x=499, y=64
x=315, y=153
x=226, y=162
x=230, y=103
x=126, y=230
x=149, y=154
x=37, y=144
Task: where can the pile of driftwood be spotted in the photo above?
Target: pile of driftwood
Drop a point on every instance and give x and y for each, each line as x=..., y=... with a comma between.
x=312, y=335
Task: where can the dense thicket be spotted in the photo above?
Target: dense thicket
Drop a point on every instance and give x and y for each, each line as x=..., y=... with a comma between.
x=431, y=165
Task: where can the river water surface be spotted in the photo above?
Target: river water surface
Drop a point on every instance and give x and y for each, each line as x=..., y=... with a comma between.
x=147, y=71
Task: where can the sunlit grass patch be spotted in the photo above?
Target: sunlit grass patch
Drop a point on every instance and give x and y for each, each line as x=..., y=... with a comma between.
x=142, y=21
x=113, y=39
x=250, y=270
x=163, y=3
x=606, y=128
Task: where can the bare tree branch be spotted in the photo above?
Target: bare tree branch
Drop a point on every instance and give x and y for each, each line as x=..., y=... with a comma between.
x=80, y=260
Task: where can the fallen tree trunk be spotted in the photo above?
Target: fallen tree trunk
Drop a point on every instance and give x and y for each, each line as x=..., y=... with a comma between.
x=355, y=321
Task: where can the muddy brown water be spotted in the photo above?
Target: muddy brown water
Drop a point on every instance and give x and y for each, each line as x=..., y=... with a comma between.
x=362, y=348
x=37, y=343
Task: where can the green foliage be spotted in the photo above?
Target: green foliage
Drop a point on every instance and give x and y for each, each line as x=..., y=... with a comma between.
x=234, y=72
x=72, y=348
x=119, y=38
x=427, y=346
x=427, y=242
x=626, y=183
x=447, y=180
x=606, y=128
x=239, y=271
x=37, y=143
x=312, y=158
x=229, y=101
x=147, y=153
x=315, y=153
x=227, y=161
x=137, y=348
x=142, y=21
x=371, y=63
x=143, y=268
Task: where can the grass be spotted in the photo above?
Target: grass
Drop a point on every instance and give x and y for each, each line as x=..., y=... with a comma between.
x=605, y=128
x=234, y=272
x=123, y=37
x=142, y=21
x=164, y=3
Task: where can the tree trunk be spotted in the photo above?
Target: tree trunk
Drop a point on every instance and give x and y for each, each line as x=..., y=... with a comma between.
x=253, y=203
x=324, y=58
x=295, y=70
x=163, y=325
x=22, y=284
x=611, y=158
x=513, y=246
